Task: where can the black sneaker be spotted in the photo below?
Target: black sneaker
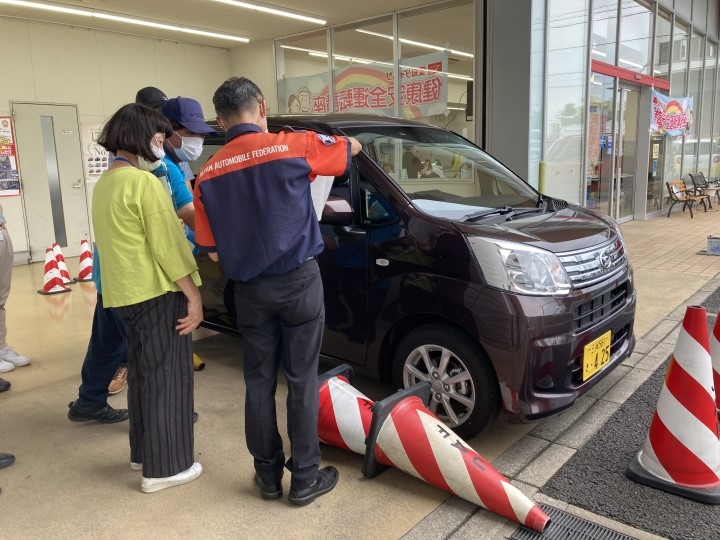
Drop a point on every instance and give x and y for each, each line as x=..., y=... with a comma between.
x=268, y=491
x=326, y=480
x=4, y=385
x=106, y=414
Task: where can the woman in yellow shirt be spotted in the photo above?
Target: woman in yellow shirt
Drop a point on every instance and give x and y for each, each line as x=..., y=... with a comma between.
x=150, y=278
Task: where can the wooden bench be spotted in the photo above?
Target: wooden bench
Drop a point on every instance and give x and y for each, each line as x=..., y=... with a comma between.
x=679, y=193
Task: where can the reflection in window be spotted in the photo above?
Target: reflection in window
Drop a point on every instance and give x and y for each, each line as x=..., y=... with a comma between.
x=566, y=84
x=636, y=30
x=302, y=74
x=691, y=148
x=707, y=161
x=604, y=25
x=663, y=28
x=436, y=65
x=679, y=59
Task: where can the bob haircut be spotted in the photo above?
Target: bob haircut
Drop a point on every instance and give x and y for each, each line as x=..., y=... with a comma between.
x=132, y=128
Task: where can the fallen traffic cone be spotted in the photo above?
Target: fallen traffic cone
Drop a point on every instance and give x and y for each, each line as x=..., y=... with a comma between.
x=52, y=283
x=401, y=432
x=345, y=413
x=681, y=453
x=64, y=274
x=85, y=265
x=198, y=364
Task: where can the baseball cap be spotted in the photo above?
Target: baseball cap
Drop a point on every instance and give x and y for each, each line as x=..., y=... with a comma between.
x=151, y=96
x=188, y=113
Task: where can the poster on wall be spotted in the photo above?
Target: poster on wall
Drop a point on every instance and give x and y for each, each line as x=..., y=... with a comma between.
x=671, y=116
x=370, y=88
x=9, y=175
x=95, y=157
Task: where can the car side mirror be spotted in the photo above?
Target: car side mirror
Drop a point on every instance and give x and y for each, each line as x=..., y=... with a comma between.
x=337, y=212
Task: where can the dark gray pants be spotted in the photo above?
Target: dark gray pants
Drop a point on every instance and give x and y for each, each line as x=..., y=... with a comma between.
x=281, y=319
x=160, y=385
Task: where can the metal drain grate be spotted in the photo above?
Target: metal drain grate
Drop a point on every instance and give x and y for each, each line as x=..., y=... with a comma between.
x=564, y=526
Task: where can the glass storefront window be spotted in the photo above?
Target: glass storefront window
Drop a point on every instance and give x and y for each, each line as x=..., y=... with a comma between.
x=302, y=74
x=663, y=30
x=680, y=50
x=604, y=28
x=636, y=31
x=567, y=78
x=709, y=158
x=436, y=66
x=363, y=68
x=692, y=146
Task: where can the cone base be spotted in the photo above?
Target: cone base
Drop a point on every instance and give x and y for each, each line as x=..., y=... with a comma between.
x=635, y=471
x=53, y=292
x=381, y=409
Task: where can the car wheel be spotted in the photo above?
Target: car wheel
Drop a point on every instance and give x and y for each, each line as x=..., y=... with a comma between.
x=465, y=394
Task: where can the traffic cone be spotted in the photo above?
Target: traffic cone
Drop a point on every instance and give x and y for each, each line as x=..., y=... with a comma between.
x=198, y=364
x=53, y=283
x=681, y=453
x=345, y=413
x=400, y=431
x=64, y=274
x=715, y=357
x=85, y=265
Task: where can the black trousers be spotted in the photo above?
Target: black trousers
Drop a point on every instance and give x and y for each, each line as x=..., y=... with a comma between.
x=281, y=319
x=160, y=385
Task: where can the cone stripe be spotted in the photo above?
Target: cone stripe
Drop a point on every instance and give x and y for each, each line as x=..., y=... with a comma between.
x=715, y=355
x=694, y=358
x=691, y=435
x=650, y=461
x=391, y=440
x=348, y=403
x=694, y=396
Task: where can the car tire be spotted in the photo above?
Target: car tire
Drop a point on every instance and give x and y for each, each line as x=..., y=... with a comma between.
x=469, y=404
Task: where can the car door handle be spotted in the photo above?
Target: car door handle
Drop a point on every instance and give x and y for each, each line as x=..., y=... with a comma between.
x=350, y=232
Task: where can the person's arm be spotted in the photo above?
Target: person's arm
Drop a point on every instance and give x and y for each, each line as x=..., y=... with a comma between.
x=355, y=146
x=195, y=311
x=187, y=214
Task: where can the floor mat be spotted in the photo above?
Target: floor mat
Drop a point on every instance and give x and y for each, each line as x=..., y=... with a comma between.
x=594, y=478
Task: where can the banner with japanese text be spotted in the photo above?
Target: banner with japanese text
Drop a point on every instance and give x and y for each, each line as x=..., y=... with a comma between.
x=9, y=175
x=369, y=88
x=671, y=116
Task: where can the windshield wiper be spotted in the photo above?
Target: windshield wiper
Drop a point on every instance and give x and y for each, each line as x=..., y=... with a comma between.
x=508, y=211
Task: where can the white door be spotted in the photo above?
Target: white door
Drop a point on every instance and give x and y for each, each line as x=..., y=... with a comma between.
x=52, y=177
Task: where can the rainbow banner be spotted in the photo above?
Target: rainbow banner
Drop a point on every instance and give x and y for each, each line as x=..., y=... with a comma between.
x=671, y=116
x=369, y=88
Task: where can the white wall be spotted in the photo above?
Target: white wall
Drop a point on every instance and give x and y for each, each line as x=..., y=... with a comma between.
x=256, y=61
x=98, y=72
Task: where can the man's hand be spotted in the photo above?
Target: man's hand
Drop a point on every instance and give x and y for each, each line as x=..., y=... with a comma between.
x=355, y=146
x=213, y=256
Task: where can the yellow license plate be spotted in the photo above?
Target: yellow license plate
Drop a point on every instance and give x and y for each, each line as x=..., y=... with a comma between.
x=596, y=355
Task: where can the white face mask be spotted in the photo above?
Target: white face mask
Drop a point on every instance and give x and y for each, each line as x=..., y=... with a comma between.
x=150, y=166
x=190, y=149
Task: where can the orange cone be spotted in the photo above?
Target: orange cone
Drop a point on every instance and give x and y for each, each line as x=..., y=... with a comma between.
x=400, y=431
x=681, y=453
x=715, y=357
x=86, y=262
x=53, y=283
x=64, y=274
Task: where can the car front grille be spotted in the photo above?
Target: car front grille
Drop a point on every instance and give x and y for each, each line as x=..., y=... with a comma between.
x=600, y=307
x=592, y=265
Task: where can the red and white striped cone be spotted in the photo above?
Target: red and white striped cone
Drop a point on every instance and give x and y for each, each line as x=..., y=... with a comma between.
x=345, y=413
x=406, y=435
x=715, y=357
x=52, y=283
x=64, y=274
x=85, y=265
x=681, y=453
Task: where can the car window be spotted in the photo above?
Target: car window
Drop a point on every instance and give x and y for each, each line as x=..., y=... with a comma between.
x=375, y=208
x=443, y=174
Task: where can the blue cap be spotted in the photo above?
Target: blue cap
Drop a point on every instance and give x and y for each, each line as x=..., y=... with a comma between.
x=188, y=113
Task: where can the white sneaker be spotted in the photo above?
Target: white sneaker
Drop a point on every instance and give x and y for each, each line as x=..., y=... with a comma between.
x=150, y=485
x=135, y=466
x=6, y=366
x=8, y=354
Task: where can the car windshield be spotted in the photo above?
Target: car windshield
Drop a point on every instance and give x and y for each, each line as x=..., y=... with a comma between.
x=442, y=173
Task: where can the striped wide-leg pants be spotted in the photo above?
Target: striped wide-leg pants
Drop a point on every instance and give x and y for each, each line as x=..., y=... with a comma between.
x=160, y=385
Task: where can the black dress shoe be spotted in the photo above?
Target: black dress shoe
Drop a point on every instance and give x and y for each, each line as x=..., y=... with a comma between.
x=106, y=414
x=6, y=460
x=268, y=491
x=4, y=385
x=326, y=480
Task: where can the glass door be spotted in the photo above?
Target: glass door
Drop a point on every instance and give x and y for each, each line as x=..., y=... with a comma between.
x=612, y=146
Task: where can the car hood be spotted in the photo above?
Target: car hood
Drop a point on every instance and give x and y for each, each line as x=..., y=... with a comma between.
x=569, y=229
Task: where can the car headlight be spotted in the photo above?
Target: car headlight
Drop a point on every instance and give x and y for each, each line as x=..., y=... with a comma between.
x=519, y=268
